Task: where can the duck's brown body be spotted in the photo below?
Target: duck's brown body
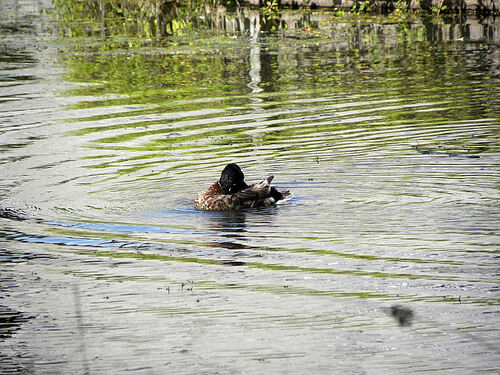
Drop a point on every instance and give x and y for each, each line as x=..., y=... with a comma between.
x=212, y=198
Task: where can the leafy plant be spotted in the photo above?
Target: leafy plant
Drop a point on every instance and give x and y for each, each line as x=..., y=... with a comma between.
x=440, y=8
x=271, y=7
x=401, y=7
x=364, y=6
x=339, y=12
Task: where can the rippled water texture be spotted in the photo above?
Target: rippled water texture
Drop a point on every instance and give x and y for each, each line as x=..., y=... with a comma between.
x=386, y=131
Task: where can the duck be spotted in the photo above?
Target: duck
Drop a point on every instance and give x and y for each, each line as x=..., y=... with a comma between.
x=231, y=192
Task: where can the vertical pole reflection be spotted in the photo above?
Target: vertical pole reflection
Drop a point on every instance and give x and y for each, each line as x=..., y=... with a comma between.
x=255, y=77
x=80, y=327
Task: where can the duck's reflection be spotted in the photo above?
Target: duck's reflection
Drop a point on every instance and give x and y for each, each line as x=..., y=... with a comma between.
x=231, y=227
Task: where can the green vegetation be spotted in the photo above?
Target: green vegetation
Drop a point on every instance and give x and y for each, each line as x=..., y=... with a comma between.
x=153, y=19
x=175, y=86
x=145, y=18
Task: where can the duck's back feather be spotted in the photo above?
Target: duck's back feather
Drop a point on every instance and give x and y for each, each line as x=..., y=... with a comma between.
x=259, y=190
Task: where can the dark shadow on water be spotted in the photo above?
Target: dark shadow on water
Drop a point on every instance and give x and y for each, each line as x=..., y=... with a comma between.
x=402, y=314
x=8, y=256
x=8, y=213
x=10, y=321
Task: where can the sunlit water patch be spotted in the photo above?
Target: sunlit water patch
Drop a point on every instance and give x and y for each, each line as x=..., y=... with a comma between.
x=386, y=135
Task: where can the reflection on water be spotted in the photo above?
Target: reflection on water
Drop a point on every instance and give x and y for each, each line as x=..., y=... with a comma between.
x=386, y=132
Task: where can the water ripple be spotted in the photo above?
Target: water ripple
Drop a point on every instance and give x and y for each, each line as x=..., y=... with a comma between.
x=386, y=134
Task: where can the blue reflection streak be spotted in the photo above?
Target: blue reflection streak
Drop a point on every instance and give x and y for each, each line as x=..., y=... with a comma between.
x=70, y=241
x=122, y=228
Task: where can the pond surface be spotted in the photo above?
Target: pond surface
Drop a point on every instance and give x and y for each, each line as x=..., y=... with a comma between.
x=387, y=132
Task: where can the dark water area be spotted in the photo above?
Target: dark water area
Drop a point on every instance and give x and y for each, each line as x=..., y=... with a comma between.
x=385, y=129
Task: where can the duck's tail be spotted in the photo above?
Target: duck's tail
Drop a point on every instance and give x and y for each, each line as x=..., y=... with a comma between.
x=280, y=196
x=287, y=194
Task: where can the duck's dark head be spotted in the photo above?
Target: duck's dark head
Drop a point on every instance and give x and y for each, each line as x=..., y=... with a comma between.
x=232, y=179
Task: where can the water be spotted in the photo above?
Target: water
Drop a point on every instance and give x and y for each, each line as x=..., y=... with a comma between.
x=386, y=131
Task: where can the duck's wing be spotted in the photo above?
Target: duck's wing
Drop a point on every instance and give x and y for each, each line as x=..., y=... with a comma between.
x=259, y=190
